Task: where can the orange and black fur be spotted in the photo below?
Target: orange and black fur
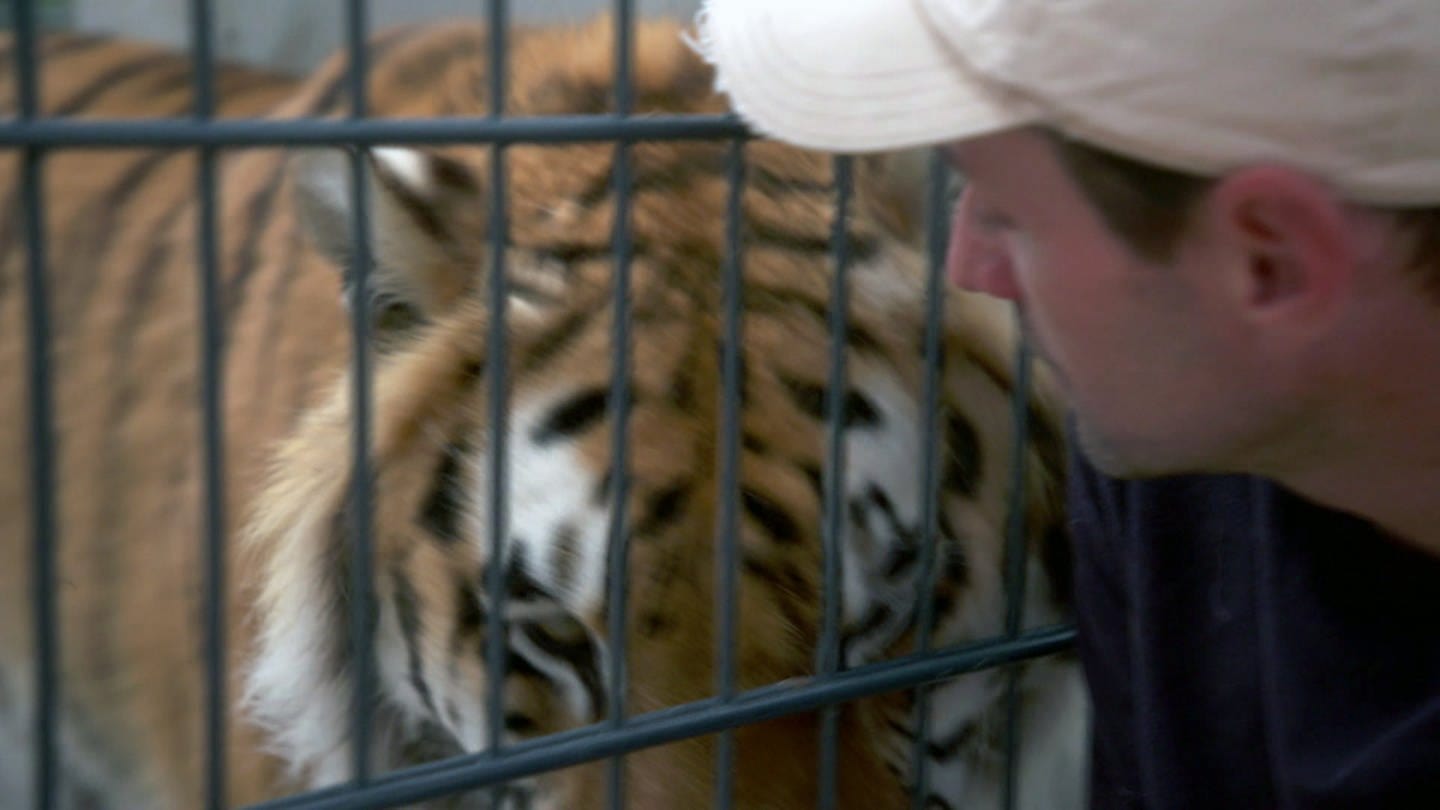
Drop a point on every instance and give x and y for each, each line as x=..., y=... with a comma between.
x=124, y=273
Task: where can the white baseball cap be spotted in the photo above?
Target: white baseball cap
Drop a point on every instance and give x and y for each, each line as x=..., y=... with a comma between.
x=1346, y=89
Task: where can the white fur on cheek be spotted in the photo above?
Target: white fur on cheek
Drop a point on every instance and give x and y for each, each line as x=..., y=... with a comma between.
x=551, y=491
x=289, y=692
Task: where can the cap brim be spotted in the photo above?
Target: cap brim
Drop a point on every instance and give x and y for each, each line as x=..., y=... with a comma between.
x=852, y=76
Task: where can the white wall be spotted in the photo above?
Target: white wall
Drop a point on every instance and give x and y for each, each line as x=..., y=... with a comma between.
x=296, y=34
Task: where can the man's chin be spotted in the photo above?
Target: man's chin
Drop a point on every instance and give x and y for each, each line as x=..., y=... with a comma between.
x=1115, y=458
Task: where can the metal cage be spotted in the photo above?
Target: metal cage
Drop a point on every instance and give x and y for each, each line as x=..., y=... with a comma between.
x=35, y=136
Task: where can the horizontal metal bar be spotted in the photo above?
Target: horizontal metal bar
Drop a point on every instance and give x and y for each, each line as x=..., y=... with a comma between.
x=52, y=133
x=681, y=722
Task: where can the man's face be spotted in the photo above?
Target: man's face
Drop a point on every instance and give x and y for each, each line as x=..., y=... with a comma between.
x=1152, y=359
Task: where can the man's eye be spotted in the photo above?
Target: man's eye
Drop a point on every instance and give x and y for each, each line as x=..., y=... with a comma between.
x=992, y=220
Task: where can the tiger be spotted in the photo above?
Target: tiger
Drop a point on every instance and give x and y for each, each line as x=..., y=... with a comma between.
x=130, y=501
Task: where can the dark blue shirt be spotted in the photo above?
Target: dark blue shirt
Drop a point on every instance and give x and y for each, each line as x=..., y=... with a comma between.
x=1246, y=648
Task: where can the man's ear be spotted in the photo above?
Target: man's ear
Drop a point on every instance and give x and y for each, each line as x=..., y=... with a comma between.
x=427, y=224
x=1290, y=241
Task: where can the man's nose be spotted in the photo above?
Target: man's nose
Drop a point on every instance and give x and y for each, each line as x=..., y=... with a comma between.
x=976, y=260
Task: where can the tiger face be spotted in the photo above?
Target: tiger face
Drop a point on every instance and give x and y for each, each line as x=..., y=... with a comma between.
x=433, y=456
x=564, y=503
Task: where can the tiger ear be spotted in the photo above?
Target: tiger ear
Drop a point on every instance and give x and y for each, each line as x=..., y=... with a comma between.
x=427, y=215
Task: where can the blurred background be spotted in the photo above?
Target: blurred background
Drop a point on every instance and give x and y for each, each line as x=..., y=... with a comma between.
x=294, y=35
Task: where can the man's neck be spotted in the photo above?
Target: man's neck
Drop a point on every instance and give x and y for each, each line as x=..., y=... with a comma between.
x=1387, y=469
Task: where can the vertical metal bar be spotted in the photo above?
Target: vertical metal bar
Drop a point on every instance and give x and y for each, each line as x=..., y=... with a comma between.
x=211, y=398
x=619, y=534
x=727, y=596
x=42, y=428
x=497, y=362
x=834, y=477
x=362, y=481
x=936, y=223
x=1016, y=558
x=202, y=54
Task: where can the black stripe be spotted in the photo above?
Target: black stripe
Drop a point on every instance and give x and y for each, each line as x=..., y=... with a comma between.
x=521, y=725
x=859, y=248
x=144, y=282
x=781, y=526
x=111, y=78
x=122, y=383
x=814, y=478
x=904, y=552
x=275, y=316
x=51, y=44
x=571, y=253
x=663, y=508
x=964, y=462
x=444, y=506
x=125, y=386
x=601, y=496
x=376, y=50
x=64, y=44
x=765, y=179
x=754, y=444
x=565, y=549
x=681, y=390
x=575, y=649
x=182, y=78
x=934, y=801
x=469, y=619
x=653, y=622
x=419, y=70
x=857, y=411
x=662, y=178
x=954, y=566
x=97, y=228
x=573, y=416
x=472, y=371
x=794, y=589
x=762, y=299
x=258, y=212
x=520, y=586
x=407, y=612
x=10, y=223
x=420, y=210
x=555, y=340
x=876, y=617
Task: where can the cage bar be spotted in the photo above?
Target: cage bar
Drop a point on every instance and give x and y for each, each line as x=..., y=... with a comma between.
x=1016, y=558
x=42, y=426
x=727, y=533
x=617, y=568
x=212, y=330
x=834, y=534
x=362, y=575
x=497, y=361
x=54, y=134
x=936, y=238
x=678, y=723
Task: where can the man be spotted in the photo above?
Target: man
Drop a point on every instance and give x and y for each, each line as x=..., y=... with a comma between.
x=1221, y=221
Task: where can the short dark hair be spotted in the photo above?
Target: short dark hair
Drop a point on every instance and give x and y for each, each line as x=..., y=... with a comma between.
x=1149, y=207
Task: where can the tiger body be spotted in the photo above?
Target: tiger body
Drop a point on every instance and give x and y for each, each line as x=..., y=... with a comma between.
x=130, y=501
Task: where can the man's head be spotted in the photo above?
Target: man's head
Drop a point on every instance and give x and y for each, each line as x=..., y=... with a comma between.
x=1203, y=210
